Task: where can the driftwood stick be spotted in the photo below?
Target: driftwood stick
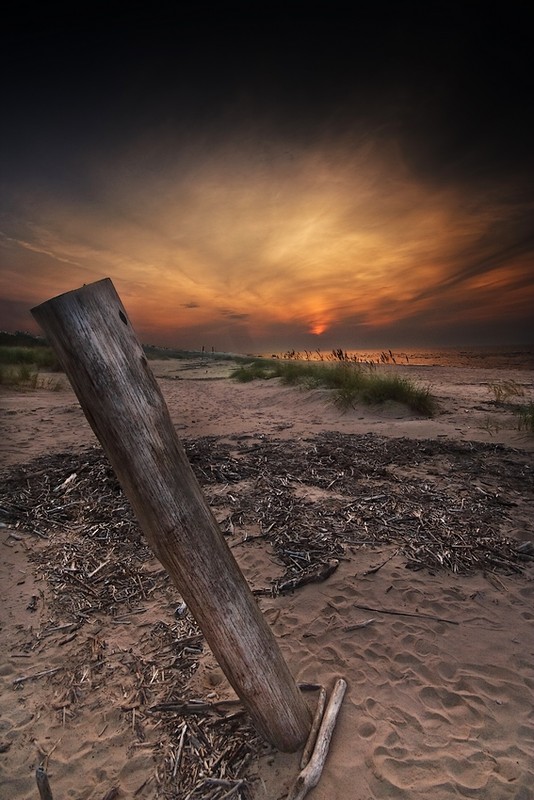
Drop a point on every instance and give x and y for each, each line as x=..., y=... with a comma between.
x=310, y=775
x=407, y=614
x=37, y=675
x=310, y=744
x=111, y=794
x=43, y=785
x=373, y=570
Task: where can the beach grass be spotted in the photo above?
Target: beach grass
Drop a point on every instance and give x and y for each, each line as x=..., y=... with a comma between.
x=506, y=390
x=26, y=376
x=20, y=365
x=18, y=375
x=507, y=393
x=350, y=383
x=252, y=371
x=526, y=418
x=156, y=353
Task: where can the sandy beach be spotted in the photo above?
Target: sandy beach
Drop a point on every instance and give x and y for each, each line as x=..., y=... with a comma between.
x=427, y=610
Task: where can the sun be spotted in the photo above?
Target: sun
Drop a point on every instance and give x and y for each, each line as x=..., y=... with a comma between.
x=317, y=328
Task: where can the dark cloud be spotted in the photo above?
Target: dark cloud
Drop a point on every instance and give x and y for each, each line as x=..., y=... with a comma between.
x=225, y=312
x=15, y=315
x=451, y=82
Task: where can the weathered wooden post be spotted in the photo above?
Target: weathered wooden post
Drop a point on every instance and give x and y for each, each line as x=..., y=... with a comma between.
x=105, y=363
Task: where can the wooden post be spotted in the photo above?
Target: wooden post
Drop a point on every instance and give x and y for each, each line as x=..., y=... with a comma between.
x=101, y=355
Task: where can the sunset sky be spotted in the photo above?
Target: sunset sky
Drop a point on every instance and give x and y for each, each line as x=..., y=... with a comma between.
x=293, y=176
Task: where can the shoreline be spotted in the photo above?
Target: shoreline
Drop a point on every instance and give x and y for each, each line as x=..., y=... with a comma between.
x=506, y=357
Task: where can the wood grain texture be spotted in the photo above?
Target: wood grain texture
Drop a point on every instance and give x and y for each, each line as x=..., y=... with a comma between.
x=105, y=363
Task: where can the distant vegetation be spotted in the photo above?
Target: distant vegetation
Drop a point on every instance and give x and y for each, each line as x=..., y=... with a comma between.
x=21, y=339
x=505, y=391
x=510, y=394
x=25, y=374
x=526, y=418
x=22, y=356
x=153, y=352
x=349, y=381
x=40, y=357
x=338, y=354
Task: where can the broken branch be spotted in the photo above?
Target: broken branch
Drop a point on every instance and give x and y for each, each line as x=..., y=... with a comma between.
x=310, y=775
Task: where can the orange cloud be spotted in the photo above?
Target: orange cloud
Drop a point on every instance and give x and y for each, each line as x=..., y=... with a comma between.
x=311, y=240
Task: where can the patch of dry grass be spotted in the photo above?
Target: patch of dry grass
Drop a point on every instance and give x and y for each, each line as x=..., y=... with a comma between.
x=350, y=382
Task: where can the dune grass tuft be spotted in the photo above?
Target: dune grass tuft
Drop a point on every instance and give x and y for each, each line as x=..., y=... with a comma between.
x=19, y=366
x=350, y=383
x=381, y=388
x=507, y=393
x=26, y=376
x=526, y=418
x=253, y=371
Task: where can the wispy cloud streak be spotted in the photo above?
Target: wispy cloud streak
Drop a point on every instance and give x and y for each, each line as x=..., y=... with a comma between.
x=336, y=237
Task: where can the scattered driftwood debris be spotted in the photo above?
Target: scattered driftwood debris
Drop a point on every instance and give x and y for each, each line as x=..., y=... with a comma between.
x=102, y=578
x=308, y=501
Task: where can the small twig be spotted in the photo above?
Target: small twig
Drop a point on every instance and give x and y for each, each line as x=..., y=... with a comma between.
x=58, y=628
x=103, y=564
x=37, y=675
x=358, y=625
x=111, y=794
x=233, y=790
x=140, y=788
x=379, y=566
x=226, y=782
x=194, y=707
x=407, y=614
x=179, y=751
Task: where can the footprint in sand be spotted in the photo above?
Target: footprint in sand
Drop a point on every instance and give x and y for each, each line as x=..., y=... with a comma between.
x=367, y=729
x=446, y=670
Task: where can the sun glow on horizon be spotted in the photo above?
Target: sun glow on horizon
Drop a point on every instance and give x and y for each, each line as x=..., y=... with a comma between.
x=317, y=328
x=322, y=241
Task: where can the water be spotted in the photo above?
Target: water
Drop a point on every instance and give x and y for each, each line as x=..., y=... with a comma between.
x=481, y=357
